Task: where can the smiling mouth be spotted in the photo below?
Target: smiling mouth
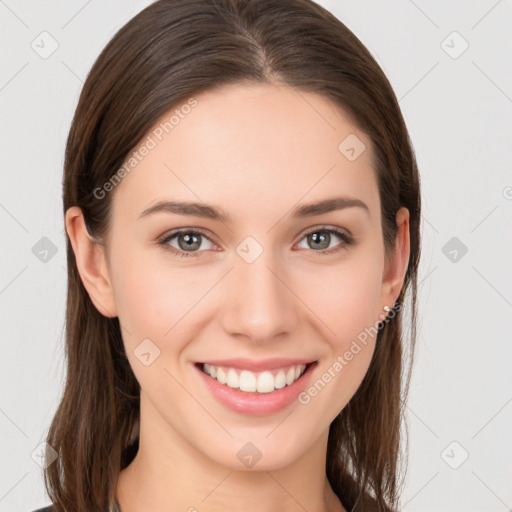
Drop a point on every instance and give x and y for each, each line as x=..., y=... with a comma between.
x=259, y=382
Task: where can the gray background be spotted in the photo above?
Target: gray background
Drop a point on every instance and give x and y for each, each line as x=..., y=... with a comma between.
x=458, y=110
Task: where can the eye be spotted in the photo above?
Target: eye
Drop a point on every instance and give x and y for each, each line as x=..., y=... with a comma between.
x=321, y=238
x=189, y=241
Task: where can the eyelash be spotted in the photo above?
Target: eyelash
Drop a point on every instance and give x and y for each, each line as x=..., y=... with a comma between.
x=347, y=240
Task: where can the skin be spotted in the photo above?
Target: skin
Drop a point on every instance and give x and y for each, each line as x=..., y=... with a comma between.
x=257, y=152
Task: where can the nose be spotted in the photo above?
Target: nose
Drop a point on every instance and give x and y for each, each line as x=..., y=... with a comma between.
x=259, y=305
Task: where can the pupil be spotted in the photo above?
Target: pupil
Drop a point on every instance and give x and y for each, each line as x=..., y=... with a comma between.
x=189, y=241
x=319, y=238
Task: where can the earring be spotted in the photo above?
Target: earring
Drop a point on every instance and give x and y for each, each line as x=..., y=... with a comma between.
x=387, y=309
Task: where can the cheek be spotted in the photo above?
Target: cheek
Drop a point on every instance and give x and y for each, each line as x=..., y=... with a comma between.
x=345, y=297
x=154, y=303
x=155, y=300
x=347, y=302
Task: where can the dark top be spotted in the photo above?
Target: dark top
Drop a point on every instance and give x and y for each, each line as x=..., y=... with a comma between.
x=50, y=509
x=366, y=506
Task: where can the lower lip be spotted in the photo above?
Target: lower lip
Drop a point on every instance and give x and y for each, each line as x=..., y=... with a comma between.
x=256, y=404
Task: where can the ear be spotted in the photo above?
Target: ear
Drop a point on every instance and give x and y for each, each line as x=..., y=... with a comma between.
x=91, y=263
x=396, y=265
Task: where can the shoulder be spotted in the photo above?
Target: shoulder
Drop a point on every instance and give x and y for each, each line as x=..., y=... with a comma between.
x=44, y=509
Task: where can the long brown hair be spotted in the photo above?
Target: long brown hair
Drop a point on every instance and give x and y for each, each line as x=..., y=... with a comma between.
x=170, y=51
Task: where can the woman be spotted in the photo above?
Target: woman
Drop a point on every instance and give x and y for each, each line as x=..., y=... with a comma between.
x=242, y=205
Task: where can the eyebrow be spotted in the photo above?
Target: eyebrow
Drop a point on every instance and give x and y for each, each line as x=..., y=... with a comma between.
x=214, y=212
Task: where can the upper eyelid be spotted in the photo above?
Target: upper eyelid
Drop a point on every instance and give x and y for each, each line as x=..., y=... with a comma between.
x=326, y=227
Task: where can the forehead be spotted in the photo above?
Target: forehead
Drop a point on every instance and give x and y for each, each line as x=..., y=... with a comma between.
x=248, y=148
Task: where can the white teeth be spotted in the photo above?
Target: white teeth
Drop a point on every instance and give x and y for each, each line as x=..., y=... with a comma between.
x=210, y=370
x=290, y=376
x=265, y=382
x=280, y=381
x=245, y=380
x=232, y=381
x=221, y=376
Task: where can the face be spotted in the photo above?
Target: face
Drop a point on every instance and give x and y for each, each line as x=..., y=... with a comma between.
x=266, y=286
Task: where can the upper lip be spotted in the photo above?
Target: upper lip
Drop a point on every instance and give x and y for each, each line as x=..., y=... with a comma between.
x=253, y=365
